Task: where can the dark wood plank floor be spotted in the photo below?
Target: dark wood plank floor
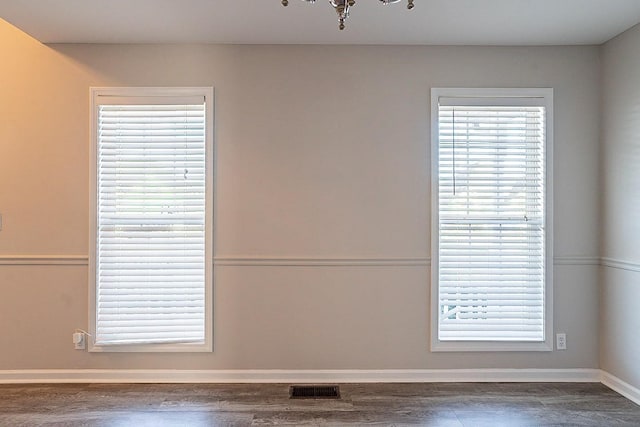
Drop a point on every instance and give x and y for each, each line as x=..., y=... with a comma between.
x=437, y=404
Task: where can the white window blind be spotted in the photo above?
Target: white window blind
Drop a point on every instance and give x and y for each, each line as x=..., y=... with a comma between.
x=151, y=234
x=491, y=219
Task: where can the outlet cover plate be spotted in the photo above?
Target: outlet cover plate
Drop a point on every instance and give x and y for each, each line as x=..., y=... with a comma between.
x=561, y=341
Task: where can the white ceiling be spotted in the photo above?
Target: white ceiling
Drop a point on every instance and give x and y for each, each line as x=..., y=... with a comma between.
x=432, y=22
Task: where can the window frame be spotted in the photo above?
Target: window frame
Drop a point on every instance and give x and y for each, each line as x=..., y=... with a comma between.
x=139, y=92
x=438, y=345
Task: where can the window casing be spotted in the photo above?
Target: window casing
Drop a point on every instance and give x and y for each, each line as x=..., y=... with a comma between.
x=492, y=256
x=151, y=227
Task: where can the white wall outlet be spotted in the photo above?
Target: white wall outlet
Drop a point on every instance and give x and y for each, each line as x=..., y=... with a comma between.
x=79, y=340
x=561, y=341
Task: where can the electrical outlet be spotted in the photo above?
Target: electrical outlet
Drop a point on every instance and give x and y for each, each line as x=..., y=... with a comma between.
x=79, y=340
x=561, y=341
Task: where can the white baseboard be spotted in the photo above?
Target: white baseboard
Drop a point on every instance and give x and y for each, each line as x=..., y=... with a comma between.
x=297, y=376
x=616, y=384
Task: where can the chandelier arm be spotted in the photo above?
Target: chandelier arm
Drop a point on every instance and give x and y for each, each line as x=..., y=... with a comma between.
x=342, y=7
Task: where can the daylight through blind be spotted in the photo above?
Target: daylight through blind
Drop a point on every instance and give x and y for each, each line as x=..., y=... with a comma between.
x=151, y=224
x=491, y=250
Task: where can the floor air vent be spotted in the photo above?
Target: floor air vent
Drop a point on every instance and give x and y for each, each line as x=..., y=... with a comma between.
x=314, y=392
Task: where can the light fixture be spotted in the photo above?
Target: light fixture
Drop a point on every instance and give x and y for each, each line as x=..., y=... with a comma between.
x=343, y=7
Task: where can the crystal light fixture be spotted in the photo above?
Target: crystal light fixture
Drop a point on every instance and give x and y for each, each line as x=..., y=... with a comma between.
x=343, y=7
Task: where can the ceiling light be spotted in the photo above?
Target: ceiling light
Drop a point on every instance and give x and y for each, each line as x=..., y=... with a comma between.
x=343, y=7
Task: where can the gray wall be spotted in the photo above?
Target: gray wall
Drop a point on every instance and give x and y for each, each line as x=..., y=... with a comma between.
x=620, y=284
x=323, y=152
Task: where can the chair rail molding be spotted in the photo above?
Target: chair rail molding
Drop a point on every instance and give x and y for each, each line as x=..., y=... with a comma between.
x=308, y=261
x=44, y=260
x=320, y=261
x=620, y=264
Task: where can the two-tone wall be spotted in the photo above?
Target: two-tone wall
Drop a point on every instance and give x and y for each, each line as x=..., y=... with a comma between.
x=322, y=199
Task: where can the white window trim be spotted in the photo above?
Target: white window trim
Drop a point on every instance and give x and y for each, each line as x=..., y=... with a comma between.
x=208, y=94
x=462, y=346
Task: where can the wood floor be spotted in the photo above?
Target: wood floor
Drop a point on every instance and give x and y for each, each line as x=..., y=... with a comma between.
x=439, y=404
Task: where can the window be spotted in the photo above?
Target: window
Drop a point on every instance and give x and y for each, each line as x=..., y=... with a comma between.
x=491, y=230
x=152, y=218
